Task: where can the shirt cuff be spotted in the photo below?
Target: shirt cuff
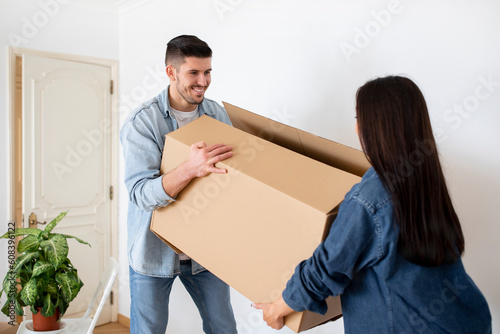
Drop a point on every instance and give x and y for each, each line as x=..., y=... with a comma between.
x=287, y=297
x=298, y=298
x=159, y=194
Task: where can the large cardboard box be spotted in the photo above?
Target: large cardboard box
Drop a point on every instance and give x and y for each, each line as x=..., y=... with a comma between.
x=253, y=225
x=6, y=328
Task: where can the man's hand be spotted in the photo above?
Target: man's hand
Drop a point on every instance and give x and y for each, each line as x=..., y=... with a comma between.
x=202, y=158
x=274, y=313
x=201, y=162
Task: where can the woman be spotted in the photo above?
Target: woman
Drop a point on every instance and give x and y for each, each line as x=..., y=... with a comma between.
x=393, y=253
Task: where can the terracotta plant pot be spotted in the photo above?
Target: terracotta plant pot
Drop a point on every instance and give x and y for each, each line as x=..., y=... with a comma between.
x=41, y=323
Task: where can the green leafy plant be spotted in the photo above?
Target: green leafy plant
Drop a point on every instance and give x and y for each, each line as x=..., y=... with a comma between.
x=42, y=276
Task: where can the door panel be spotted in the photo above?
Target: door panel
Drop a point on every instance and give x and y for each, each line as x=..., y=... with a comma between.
x=67, y=160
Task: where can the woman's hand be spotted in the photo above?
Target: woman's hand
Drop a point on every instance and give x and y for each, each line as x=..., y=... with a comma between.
x=274, y=313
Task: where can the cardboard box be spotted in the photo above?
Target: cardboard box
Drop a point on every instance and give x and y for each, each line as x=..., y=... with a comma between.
x=253, y=225
x=6, y=328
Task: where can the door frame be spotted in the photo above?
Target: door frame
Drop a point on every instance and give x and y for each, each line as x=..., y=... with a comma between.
x=11, y=75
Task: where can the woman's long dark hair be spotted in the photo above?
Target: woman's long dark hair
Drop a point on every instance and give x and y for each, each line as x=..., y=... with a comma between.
x=396, y=135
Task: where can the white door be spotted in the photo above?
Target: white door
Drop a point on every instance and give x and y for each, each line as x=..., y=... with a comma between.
x=67, y=160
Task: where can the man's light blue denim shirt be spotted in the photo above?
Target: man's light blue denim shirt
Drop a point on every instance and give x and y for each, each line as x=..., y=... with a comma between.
x=380, y=291
x=142, y=137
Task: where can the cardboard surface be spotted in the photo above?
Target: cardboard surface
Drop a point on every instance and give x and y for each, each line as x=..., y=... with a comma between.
x=329, y=152
x=6, y=328
x=253, y=225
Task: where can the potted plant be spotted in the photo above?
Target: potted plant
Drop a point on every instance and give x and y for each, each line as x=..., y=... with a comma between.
x=42, y=276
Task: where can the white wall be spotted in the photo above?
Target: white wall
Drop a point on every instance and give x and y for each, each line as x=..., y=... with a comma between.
x=284, y=59
x=64, y=26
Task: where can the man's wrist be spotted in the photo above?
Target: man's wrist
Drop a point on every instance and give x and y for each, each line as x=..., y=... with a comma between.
x=177, y=179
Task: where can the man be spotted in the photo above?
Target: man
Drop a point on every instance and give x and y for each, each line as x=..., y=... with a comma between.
x=153, y=265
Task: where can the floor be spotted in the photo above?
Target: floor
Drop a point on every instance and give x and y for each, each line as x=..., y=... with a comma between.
x=112, y=328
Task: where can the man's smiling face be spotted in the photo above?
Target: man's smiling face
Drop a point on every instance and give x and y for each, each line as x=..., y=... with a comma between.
x=192, y=79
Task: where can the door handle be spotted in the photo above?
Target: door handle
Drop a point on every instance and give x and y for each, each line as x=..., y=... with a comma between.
x=33, y=221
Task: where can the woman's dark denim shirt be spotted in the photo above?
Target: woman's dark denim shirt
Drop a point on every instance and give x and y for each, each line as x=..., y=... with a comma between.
x=380, y=291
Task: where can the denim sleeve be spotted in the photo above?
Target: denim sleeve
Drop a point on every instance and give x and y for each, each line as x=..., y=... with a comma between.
x=351, y=245
x=223, y=117
x=142, y=154
x=219, y=112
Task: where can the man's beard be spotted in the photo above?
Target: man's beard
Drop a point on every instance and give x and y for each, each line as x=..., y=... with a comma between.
x=189, y=99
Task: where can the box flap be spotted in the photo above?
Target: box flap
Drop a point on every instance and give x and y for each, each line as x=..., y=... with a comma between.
x=297, y=176
x=329, y=152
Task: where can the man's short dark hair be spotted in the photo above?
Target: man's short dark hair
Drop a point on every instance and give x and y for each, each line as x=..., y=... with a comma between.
x=184, y=46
